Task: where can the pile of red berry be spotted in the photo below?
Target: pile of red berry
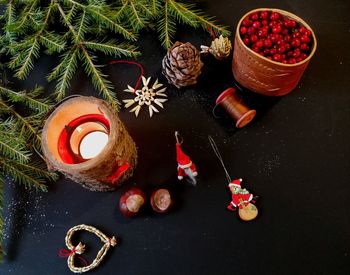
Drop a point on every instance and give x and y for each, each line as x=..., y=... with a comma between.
x=276, y=37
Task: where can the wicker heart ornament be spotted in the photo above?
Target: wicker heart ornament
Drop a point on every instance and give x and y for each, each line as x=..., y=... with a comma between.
x=80, y=248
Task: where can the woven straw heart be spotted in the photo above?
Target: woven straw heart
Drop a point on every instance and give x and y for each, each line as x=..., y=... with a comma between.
x=80, y=248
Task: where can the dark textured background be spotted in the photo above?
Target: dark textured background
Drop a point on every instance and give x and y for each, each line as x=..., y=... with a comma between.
x=295, y=155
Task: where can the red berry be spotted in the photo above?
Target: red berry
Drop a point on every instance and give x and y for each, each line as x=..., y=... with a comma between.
x=285, y=32
x=290, y=23
x=255, y=49
x=243, y=30
x=303, y=56
x=307, y=33
x=283, y=56
x=276, y=29
x=246, y=22
x=284, y=61
x=264, y=22
x=265, y=28
x=295, y=42
x=246, y=41
x=290, y=53
x=256, y=24
x=304, y=47
x=293, y=23
x=296, y=34
x=292, y=61
x=277, y=57
x=273, y=51
x=267, y=43
x=264, y=15
x=281, y=49
x=251, y=30
x=266, y=52
x=272, y=23
x=254, y=16
x=280, y=42
x=305, y=39
x=259, y=44
x=299, y=59
x=262, y=33
x=302, y=29
x=261, y=53
x=296, y=53
x=287, y=23
x=287, y=46
x=253, y=38
x=275, y=16
x=274, y=38
x=287, y=38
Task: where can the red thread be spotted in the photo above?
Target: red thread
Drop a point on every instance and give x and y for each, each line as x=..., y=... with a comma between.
x=65, y=253
x=212, y=33
x=131, y=63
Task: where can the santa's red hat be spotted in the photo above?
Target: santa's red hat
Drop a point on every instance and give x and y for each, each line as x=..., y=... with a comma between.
x=182, y=159
x=236, y=183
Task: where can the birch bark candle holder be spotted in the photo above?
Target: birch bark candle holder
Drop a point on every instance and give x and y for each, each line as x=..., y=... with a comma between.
x=85, y=140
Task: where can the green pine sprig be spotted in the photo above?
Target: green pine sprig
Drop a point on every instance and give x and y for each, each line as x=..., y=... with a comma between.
x=18, y=135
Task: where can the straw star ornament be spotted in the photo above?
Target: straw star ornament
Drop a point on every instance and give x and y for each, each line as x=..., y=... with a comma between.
x=150, y=96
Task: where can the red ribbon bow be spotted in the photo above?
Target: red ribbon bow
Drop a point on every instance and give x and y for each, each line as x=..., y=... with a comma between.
x=65, y=253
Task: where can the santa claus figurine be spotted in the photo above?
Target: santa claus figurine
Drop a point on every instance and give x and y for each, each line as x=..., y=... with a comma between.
x=185, y=167
x=240, y=196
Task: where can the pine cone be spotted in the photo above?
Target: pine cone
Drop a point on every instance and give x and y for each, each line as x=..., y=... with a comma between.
x=182, y=64
x=220, y=48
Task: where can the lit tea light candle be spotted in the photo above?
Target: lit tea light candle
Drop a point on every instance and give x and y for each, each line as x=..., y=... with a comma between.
x=85, y=140
x=92, y=144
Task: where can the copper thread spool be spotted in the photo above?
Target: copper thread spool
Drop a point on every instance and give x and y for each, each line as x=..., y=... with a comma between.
x=235, y=107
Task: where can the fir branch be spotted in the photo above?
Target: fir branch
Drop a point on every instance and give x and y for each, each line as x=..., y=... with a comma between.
x=64, y=73
x=9, y=16
x=121, y=9
x=24, y=17
x=23, y=174
x=26, y=123
x=30, y=99
x=52, y=42
x=25, y=61
x=183, y=17
x=155, y=4
x=112, y=48
x=98, y=78
x=207, y=23
x=166, y=27
x=113, y=25
x=82, y=27
x=138, y=21
x=11, y=146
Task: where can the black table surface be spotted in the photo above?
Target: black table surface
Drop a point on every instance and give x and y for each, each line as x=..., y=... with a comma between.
x=295, y=156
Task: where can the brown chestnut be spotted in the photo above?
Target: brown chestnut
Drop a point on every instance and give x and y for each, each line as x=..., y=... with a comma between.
x=131, y=202
x=161, y=200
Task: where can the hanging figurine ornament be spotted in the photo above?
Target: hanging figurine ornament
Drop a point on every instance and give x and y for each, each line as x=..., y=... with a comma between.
x=146, y=96
x=185, y=167
x=73, y=251
x=182, y=64
x=220, y=48
x=241, y=197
